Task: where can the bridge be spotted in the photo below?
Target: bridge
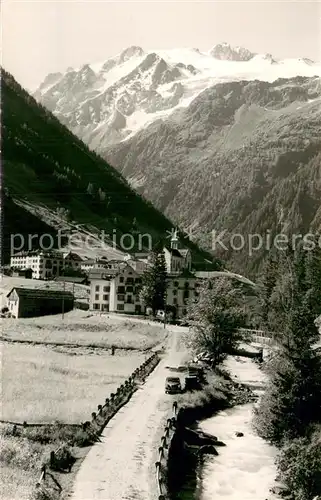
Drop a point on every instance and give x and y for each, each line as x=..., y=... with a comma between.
x=259, y=336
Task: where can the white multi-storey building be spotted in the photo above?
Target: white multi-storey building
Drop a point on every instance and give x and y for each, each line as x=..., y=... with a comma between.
x=45, y=265
x=115, y=290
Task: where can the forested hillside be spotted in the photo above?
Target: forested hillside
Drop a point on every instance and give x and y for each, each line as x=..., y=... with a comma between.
x=243, y=157
x=45, y=164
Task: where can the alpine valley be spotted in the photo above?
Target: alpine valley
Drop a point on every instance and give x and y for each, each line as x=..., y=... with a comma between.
x=227, y=140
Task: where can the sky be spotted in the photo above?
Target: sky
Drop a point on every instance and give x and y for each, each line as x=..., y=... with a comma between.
x=41, y=37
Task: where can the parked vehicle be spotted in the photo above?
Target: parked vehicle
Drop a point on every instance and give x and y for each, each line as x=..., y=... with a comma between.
x=196, y=371
x=173, y=385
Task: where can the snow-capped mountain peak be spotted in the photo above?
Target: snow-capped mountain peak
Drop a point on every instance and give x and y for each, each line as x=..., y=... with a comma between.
x=226, y=52
x=108, y=101
x=133, y=51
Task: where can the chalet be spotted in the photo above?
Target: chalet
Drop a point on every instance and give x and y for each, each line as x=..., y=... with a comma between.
x=30, y=302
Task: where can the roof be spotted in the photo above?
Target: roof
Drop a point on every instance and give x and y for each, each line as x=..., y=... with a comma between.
x=107, y=274
x=73, y=256
x=184, y=251
x=223, y=274
x=95, y=261
x=71, y=279
x=46, y=253
x=41, y=293
x=174, y=252
x=102, y=274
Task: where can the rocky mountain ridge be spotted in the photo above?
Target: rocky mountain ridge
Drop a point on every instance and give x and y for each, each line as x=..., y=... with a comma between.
x=107, y=102
x=243, y=157
x=225, y=140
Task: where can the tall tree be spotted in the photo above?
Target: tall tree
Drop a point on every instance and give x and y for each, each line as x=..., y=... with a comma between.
x=292, y=401
x=216, y=316
x=154, y=282
x=267, y=285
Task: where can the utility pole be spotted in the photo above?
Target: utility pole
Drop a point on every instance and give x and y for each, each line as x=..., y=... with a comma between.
x=64, y=288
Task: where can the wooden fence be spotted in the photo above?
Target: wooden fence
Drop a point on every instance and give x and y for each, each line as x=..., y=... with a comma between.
x=104, y=413
x=161, y=464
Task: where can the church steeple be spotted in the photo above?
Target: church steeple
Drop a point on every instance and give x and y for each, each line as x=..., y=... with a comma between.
x=174, y=240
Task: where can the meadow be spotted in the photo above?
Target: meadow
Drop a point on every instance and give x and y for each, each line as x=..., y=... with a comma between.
x=61, y=369
x=56, y=369
x=82, y=328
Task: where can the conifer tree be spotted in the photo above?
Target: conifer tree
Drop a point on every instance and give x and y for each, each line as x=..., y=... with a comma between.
x=292, y=401
x=154, y=283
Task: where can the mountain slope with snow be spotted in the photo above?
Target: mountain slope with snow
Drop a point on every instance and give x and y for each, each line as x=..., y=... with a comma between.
x=226, y=140
x=242, y=158
x=107, y=102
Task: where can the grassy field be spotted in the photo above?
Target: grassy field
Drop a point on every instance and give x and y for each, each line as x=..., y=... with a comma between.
x=65, y=367
x=81, y=328
x=55, y=369
x=40, y=384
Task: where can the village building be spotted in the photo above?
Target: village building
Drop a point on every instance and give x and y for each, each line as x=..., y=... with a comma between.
x=21, y=273
x=72, y=260
x=100, y=263
x=31, y=302
x=180, y=290
x=45, y=265
x=115, y=290
x=177, y=259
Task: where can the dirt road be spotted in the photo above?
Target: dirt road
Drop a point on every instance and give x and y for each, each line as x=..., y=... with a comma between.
x=121, y=467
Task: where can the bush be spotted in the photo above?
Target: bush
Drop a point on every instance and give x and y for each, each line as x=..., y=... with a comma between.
x=299, y=465
x=21, y=453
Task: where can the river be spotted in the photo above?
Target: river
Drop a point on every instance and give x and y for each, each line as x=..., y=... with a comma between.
x=245, y=468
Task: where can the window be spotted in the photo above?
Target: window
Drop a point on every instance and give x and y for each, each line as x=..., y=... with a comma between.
x=121, y=289
x=121, y=279
x=129, y=299
x=174, y=292
x=96, y=306
x=105, y=307
x=130, y=280
x=176, y=283
x=97, y=296
x=138, y=280
x=175, y=301
x=120, y=307
x=186, y=284
x=97, y=288
x=186, y=294
x=106, y=288
x=121, y=298
x=106, y=297
x=129, y=289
